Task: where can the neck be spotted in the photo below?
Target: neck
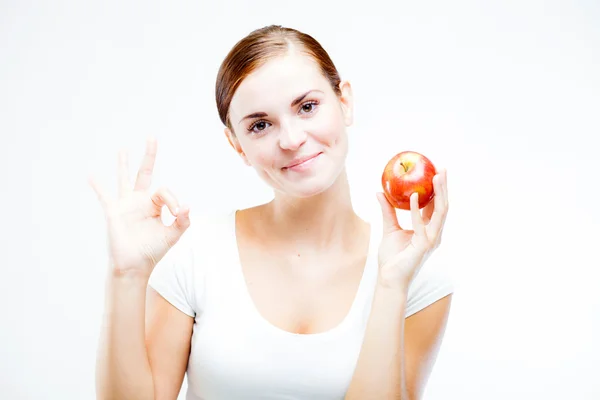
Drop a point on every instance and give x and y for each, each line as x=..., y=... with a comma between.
x=326, y=220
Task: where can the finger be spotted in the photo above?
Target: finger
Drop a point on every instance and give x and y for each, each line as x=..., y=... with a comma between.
x=439, y=200
x=388, y=213
x=428, y=211
x=162, y=197
x=144, y=176
x=177, y=228
x=415, y=215
x=123, y=173
x=101, y=192
x=445, y=187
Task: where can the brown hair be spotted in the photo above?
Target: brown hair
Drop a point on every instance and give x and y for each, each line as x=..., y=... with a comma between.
x=258, y=47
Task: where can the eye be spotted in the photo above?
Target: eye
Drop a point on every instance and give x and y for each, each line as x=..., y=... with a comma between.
x=309, y=106
x=258, y=126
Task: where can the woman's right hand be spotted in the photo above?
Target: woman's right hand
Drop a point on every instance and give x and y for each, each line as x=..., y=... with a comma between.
x=137, y=237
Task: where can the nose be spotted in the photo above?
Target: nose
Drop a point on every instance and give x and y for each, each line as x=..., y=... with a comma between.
x=291, y=136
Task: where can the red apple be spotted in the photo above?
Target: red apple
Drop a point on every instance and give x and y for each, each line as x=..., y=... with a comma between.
x=408, y=172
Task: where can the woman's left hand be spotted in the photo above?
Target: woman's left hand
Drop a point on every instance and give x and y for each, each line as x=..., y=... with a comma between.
x=403, y=252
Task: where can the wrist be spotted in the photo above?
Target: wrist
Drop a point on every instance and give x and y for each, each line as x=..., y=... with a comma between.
x=393, y=289
x=390, y=280
x=129, y=276
x=140, y=271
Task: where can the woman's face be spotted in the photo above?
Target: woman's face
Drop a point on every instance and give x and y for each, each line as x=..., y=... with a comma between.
x=285, y=112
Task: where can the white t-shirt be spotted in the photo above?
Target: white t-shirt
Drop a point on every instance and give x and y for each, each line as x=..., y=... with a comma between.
x=235, y=352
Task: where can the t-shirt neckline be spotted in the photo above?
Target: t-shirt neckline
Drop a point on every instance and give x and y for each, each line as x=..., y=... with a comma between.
x=342, y=326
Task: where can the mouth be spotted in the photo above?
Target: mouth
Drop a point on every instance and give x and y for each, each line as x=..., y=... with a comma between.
x=302, y=162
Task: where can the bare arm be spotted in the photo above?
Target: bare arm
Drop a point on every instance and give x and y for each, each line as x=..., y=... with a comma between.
x=138, y=357
x=122, y=367
x=145, y=343
x=398, y=354
x=168, y=340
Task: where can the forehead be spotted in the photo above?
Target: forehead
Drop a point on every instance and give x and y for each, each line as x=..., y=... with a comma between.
x=279, y=79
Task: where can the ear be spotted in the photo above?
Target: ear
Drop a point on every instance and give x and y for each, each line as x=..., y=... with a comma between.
x=235, y=143
x=347, y=102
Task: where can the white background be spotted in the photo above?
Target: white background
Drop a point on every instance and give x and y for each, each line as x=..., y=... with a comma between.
x=505, y=95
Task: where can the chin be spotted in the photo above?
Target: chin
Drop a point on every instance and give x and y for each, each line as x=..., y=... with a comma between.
x=305, y=190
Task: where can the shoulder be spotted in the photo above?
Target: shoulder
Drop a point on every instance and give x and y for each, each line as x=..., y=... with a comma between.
x=181, y=275
x=433, y=282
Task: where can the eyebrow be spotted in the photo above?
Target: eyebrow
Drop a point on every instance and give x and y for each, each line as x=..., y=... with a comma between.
x=295, y=102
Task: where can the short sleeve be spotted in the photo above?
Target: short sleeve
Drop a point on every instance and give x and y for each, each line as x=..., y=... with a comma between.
x=433, y=282
x=175, y=276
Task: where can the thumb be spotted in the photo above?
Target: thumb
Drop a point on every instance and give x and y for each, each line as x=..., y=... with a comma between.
x=180, y=225
x=388, y=212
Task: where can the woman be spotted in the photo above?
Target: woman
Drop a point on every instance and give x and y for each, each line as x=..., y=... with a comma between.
x=298, y=298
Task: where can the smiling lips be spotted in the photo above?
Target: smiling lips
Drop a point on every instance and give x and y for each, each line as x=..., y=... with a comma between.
x=301, y=162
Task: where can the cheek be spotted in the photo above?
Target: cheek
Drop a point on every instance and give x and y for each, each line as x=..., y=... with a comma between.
x=261, y=157
x=331, y=129
x=264, y=159
x=257, y=154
